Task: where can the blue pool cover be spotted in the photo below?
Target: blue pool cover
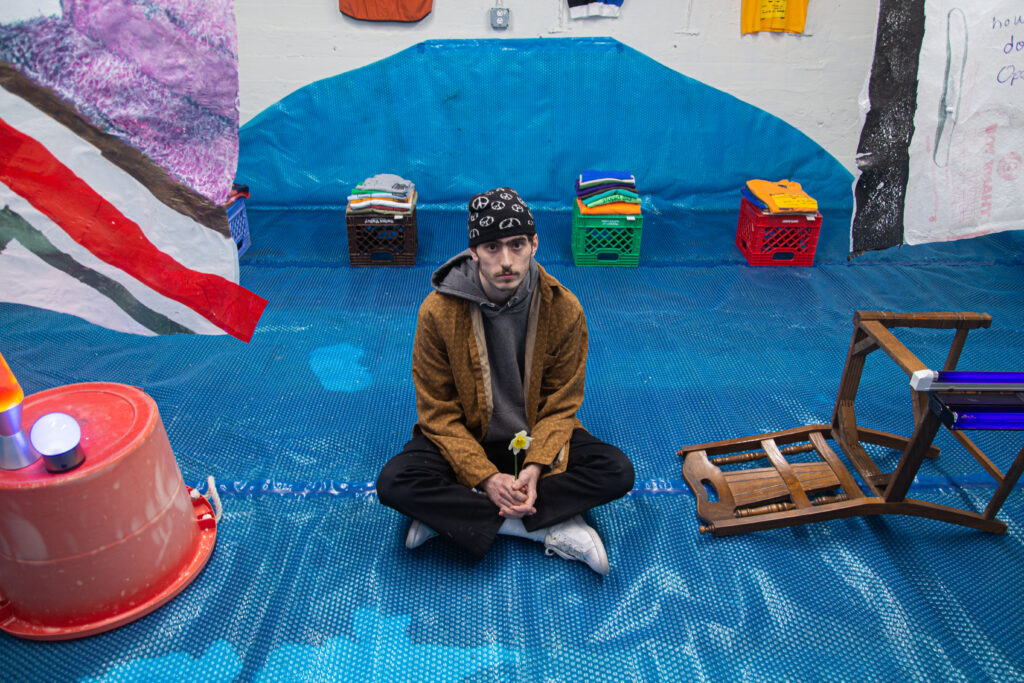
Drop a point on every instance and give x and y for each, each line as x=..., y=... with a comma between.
x=309, y=579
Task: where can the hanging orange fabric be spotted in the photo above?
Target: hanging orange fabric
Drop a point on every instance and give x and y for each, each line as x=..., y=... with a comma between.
x=386, y=10
x=784, y=16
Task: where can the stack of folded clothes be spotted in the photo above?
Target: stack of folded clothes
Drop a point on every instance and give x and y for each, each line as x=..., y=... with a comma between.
x=606, y=220
x=384, y=193
x=780, y=196
x=607, y=193
x=779, y=224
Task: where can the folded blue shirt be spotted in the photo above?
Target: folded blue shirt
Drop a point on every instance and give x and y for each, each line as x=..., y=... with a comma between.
x=752, y=198
x=589, y=177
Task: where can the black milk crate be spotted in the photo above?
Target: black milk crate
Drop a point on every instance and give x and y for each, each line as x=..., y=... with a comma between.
x=381, y=240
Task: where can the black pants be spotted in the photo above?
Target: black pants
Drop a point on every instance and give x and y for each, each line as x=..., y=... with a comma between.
x=419, y=483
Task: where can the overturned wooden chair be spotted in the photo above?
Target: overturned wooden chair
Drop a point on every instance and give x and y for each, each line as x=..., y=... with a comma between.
x=788, y=494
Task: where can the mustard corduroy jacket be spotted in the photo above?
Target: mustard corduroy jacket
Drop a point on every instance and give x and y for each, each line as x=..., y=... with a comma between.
x=453, y=385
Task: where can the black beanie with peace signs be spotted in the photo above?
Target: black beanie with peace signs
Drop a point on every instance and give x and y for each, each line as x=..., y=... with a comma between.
x=497, y=214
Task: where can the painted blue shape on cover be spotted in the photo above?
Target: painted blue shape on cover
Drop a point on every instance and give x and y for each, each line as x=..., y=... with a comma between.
x=460, y=116
x=376, y=633
x=338, y=368
x=219, y=663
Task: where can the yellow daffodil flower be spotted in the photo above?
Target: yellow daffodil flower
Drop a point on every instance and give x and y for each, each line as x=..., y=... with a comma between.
x=520, y=442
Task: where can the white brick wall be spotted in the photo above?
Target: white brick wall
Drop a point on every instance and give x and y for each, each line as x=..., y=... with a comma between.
x=811, y=81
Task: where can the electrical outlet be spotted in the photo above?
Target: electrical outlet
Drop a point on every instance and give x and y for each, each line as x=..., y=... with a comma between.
x=500, y=17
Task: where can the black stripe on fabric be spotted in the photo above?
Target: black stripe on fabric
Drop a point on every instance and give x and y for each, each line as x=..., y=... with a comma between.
x=883, y=153
x=13, y=226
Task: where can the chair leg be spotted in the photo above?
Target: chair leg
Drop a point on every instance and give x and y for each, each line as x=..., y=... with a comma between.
x=918, y=447
x=1009, y=481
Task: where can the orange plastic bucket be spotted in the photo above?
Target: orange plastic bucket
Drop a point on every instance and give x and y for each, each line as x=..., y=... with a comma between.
x=96, y=547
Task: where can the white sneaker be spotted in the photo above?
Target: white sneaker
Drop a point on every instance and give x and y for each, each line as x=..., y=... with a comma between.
x=419, y=533
x=574, y=539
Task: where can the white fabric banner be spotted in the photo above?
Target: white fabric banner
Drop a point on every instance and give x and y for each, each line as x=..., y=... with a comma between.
x=156, y=272
x=965, y=175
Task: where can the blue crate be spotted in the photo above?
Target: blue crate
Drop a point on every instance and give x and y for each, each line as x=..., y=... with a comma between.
x=239, y=225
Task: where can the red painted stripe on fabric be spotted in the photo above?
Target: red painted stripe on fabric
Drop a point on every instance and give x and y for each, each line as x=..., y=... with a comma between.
x=30, y=170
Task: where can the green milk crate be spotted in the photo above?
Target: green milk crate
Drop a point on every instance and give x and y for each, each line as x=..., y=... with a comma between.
x=606, y=240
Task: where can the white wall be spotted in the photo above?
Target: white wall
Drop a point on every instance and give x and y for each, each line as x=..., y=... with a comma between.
x=811, y=81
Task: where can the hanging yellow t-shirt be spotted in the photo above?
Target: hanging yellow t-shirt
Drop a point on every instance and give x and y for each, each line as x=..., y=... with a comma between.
x=787, y=16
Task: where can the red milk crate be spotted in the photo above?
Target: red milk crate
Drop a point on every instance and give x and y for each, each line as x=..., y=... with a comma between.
x=768, y=239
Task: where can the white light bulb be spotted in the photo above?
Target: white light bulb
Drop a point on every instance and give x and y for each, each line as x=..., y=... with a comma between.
x=55, y=434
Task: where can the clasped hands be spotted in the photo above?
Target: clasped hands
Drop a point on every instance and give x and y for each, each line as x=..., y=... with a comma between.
x=514, y=496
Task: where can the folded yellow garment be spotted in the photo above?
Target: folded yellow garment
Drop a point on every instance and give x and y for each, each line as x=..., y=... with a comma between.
x=613, y=209
x=783, y=196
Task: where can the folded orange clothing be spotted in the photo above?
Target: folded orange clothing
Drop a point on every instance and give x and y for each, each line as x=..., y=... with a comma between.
x=613, y=208
x=783, y=196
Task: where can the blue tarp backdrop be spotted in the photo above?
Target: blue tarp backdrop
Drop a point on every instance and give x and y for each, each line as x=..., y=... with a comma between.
x=455, y=116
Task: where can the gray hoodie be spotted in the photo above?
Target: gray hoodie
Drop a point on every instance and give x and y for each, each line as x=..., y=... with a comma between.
x=505, y=331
